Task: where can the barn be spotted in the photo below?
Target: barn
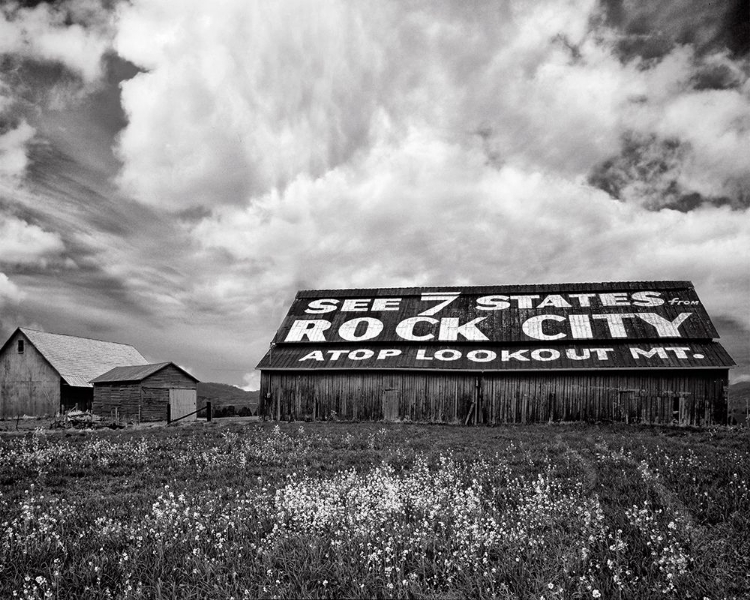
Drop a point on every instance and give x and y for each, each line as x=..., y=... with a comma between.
x=612, y=351
x=46, y=373
x=142, y=393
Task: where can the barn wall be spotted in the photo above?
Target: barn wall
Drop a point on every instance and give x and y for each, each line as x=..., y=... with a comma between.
x=690, y=397
x=28, y=383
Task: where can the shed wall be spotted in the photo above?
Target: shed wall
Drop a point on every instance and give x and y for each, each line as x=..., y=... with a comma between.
x=696, y=397
x=117, y=401
x=170, y=377
x=156, y=391
x=28, y=383
x=154, y=403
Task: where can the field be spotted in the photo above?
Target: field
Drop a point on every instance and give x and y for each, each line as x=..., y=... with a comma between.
x=358, y=510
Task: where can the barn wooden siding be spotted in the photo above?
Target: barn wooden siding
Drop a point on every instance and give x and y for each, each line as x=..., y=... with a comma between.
x=29, y=385
x=144, y=400
x=689, y=398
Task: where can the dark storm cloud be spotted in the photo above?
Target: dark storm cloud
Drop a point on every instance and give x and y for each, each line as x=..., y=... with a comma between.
x=650, y=167
x=734, y=337
x=650, y=30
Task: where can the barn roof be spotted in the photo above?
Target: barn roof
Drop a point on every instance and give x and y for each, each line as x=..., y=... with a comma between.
x=78, y=360
x=567, y=326
x=522, y=288
x=134, y=373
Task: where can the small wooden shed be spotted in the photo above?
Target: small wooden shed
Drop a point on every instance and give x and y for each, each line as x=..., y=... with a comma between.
x=145, y=393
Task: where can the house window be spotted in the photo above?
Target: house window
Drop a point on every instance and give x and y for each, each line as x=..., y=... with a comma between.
x=20, y=346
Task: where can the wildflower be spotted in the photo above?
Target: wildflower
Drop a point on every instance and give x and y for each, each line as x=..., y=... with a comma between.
x=596, y=594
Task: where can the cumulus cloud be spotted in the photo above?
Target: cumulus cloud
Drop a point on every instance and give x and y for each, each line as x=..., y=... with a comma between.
x=9, y=291
x=50, y=53
x=13, y=151
x=358, y=144
x=274, y=91
x=23, y=243
x=251, y=381
x=239, y=103
x=45, y=32
x=277, y=90
x=433, y=213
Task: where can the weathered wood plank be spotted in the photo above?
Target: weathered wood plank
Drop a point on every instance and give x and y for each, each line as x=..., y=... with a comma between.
x=505, y=397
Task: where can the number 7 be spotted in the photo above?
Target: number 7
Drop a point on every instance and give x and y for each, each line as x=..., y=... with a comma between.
x=446, y=298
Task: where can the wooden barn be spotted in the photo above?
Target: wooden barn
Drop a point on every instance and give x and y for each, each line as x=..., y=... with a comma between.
x=613, y=351
x=46, y=373
x=145, y=393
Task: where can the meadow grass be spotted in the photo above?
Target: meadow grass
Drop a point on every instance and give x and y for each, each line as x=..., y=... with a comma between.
x=364, y=510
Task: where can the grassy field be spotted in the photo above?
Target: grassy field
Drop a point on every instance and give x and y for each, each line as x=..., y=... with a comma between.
x=357, y=510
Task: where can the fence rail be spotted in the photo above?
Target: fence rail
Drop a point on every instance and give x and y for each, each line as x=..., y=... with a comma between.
x=207, y=408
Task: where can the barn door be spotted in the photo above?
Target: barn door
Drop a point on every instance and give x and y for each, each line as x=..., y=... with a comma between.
x=183, y=402
x=390, y=405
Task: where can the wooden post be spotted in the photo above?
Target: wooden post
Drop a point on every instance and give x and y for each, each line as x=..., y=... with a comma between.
x=471, y=410
x=169, y=413
x=209, y=414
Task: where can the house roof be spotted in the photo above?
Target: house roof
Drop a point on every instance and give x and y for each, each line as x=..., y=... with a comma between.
x=565, y=326
x=135, y=373
x=78, y=360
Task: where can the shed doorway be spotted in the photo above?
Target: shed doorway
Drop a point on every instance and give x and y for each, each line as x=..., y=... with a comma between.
x=390, y=405
x=182, y=402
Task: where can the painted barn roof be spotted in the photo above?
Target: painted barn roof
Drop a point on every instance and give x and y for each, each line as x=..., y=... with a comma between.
x=570, y=326
x=78, y=360
x=135, y=373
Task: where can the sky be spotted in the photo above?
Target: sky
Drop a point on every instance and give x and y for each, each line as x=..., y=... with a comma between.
x=172, y=172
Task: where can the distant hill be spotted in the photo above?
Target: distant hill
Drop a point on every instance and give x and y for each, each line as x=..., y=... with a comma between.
x=739, y=401
x=222, y=396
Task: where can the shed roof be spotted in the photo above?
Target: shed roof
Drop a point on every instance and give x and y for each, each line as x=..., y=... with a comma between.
x=135, y=373
x=78, y=360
